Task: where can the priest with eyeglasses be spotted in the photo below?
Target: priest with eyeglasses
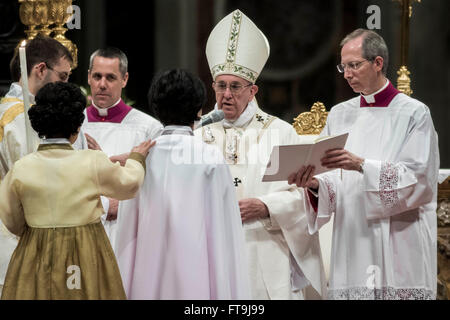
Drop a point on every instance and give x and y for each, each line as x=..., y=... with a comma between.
x=383, y=198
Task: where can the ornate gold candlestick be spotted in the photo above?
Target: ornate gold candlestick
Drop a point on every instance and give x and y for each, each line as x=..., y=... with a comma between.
x=404, y=81
x=26, y=13
x=58, y=10
x=39, y=15
x=43, y=16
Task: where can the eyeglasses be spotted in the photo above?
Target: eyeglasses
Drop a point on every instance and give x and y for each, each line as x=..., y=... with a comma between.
x=235, y=87
x=63, y=76
x=354, y=65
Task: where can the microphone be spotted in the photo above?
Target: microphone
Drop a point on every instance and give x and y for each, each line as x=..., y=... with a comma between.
x=215, y=116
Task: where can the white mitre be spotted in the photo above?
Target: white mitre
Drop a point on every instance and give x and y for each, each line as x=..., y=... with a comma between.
x=236, y=46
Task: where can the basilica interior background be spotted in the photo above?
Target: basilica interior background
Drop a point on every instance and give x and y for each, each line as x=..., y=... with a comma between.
x=304, y=37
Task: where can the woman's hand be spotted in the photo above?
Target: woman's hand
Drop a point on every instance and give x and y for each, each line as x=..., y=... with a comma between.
x=144, y=147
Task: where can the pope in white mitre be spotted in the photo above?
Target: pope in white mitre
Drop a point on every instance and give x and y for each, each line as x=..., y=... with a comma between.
x=284, y=259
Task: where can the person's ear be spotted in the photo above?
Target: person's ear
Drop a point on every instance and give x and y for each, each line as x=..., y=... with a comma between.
x=40, y=70
x=125, y=80
x=253, y=92
x=379, y=61
x=89, y=77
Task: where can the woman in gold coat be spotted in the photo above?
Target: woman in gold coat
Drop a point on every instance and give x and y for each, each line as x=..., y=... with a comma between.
x=51, y=199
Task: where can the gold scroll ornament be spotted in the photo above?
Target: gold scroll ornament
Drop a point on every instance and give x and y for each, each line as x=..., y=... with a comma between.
x=311, y=122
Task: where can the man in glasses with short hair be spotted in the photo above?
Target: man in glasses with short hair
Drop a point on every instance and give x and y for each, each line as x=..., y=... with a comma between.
x=284, y=259
x=384, y=196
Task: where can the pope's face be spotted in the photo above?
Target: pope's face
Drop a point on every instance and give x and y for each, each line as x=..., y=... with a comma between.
x=364, y=78
x=233, y=104
x=106, y=81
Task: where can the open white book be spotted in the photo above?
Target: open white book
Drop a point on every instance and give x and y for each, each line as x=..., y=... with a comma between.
x=287, y=159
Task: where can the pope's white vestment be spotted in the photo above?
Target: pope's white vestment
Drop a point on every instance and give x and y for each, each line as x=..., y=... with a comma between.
x=384, y=237
x=183, y=238
x=284, y=259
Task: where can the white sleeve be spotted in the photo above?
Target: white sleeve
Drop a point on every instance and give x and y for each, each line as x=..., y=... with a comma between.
x=329, y=185
x=12, y=144
x=408, y=182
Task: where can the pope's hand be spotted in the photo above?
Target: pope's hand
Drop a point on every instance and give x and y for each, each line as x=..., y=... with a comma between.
x=252, y=208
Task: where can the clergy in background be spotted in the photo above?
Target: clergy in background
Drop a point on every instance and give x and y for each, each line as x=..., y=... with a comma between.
x=114, y=126
x=384, y=198
x=183, y=237
x=284, y=259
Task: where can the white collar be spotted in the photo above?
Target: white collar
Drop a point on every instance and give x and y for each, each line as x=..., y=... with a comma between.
x=55, y=141
x=185, y=130
x=104, y=111
x=370, y=98
x=245, y=117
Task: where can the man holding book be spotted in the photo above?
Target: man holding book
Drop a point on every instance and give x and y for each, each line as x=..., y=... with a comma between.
x=384, y=196
x=284, y=259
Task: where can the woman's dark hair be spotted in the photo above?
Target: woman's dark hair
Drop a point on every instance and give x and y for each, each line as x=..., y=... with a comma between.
x=58, y=112
x=176, y=96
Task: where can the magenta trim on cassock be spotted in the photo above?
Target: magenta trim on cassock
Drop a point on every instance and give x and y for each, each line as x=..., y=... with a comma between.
x=383, y=98
x=115, y=114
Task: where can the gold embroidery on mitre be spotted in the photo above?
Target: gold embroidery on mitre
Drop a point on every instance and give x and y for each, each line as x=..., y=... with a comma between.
x=230, y=65
x=234, y=36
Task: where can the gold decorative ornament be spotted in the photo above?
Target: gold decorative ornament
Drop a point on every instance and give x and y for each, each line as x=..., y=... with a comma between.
x=43, y=17
x=408, y=3
x=39, y=15
x=443, y=240
x=58, y=10
x=403, y=81
x=311, y=122
x=26, y=13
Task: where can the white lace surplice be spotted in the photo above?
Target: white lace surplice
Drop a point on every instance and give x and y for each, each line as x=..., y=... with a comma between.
x=384, y=237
